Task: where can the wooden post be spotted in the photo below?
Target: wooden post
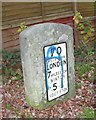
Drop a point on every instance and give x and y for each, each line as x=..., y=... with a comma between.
x=42, y=10
x=75, y=30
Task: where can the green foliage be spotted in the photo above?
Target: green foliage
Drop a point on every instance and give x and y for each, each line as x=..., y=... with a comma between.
x=85, y=55
x=11, y=63
x=80, y=26
x=84, y=63
x=83, y=68
x=88, y=113
x=78, y=85
x=28, y=116
x=22, y=27
x=77, y=18
x=90, y=52
x=85, y=27
x=78, y=52
x=8, y=106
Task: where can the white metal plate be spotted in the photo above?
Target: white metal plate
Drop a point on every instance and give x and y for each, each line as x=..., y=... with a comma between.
x=56, y=70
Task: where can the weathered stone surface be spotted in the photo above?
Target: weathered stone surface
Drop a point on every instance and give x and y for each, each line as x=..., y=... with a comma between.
x=32, y=41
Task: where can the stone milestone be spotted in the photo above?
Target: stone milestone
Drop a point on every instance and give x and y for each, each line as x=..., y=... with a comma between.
x=47, y=55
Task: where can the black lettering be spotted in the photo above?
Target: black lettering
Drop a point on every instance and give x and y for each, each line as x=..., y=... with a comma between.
x=51, y=66
x=49, y=72
x=55, y=86
x=51, y=80
x=52, y=51
x=54, y=64
x=58, y=64
x=64, y=61
x=59, y=50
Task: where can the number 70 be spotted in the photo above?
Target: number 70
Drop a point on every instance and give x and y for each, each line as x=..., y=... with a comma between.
x=58, y=51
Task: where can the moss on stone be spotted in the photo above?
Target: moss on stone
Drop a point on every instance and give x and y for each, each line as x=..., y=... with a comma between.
x=43, y=105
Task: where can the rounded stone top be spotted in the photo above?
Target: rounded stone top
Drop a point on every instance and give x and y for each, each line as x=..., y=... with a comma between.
x=34, y=29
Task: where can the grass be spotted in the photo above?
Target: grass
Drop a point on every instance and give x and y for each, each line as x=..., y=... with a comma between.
x=8, y=106
x=83, y=68
x=78, y=85
x=84, y=60
x=88, y=113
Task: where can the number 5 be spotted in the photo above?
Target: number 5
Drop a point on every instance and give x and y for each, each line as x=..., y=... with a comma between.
x=55, y=86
